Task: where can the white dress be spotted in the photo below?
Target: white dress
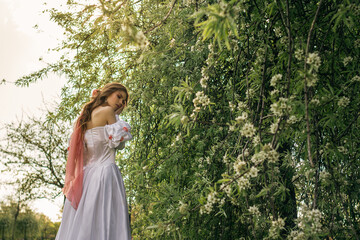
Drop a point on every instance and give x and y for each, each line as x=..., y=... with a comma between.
x=102, y=213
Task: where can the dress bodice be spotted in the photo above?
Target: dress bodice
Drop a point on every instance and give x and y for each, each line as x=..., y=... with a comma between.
x=100, y=143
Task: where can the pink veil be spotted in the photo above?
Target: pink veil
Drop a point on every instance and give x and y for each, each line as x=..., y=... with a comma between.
x=74, y=167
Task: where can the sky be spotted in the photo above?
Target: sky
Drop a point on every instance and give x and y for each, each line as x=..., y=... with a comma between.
x=21, y=46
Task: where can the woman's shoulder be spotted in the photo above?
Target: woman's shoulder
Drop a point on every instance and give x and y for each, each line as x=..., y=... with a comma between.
x=104, y=110
x=101, y=116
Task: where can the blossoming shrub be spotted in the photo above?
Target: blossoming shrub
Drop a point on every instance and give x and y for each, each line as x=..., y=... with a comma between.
x=245, y=113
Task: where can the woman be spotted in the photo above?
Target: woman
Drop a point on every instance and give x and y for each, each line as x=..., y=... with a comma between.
x=95, y=206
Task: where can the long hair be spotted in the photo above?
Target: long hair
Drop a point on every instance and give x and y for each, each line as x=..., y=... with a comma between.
x=99, y=99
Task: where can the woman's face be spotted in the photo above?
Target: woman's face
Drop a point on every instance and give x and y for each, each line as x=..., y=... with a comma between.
x=117, y=101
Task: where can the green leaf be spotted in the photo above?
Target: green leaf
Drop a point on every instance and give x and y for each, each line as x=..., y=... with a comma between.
x=263, y=192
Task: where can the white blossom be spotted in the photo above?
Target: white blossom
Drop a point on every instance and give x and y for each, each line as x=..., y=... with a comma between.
x=211, y=200
x=273, y=156
x=241, y=105
x=231, y=128
x=356, y=79
x=172, y=42
x=140, y=38
x=226, y=158
x=274, y=92
x=343, y=101
x=232, y=106
x=299, y=54
x=292, y=119
x=243, y=117
x=254, y=210
x=227, y=188
x=178, y=137
x=309, y=224
x=246, y=153
x=314, y=60
x=275, y=79
x=197, y=109
x=239, y=157
x=243, y=183
x=211, y=47
x=239, y=166
x=203, y=82
x=183, y=207
x=247, y=130
x=347, y=60
x=259, y=157
x=273, y=127
x=250, y=93
x=311, y=80
x=342, y=149
x=315, y=101
x=284, y=40
x=275, y=108
x=256, y=140
x=276, y=227
x=253, y=172
x=324, y=175
x=297, y=235
x=204, y=77
x=277, y=31
x=200, y=100
x=357, y=43
x=280, y=107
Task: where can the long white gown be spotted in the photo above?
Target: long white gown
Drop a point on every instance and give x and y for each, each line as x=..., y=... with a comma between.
x=102, y=213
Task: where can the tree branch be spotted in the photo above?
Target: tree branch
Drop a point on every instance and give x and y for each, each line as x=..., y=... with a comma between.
x=306, y=89
x=162, y=22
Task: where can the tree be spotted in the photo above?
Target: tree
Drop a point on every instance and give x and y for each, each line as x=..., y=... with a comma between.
x=4, y=224
x=35, y=151
x=28, y=225
x=47, y=228
x=18, y=221
x=245, y=113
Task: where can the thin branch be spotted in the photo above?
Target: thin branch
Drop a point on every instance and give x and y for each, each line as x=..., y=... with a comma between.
x=305, y=86
x=118, y=7
x=288, y=75
x=162, y=22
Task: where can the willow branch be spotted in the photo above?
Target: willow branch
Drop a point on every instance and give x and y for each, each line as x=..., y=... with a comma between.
x=162, y=22
x=306, y=89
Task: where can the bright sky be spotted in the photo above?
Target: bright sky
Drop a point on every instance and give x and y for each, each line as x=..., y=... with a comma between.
x=21, y=46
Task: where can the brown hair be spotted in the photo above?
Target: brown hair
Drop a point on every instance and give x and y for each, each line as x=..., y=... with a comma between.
x=98, y=99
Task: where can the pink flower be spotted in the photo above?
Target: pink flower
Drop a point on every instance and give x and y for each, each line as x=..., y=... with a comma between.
x=110, y=137
x=95, y=92
x=125, y=128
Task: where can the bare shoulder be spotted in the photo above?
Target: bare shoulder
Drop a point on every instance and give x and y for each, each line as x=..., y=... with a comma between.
x=107, y=110
x=101, y=116
x=107, y=113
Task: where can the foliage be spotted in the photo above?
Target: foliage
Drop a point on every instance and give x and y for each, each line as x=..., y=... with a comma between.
x=258, y=140
x=35, y=151
x=18, y=221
